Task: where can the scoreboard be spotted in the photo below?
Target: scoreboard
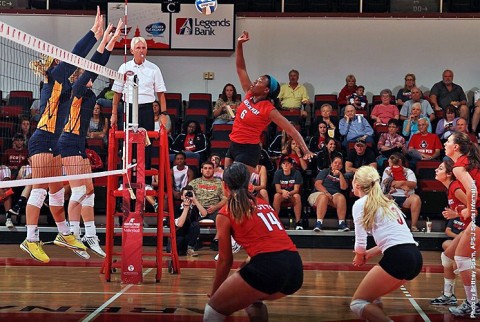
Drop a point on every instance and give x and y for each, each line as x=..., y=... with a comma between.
x=419, y=6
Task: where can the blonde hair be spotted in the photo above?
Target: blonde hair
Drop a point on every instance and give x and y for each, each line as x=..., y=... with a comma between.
x=40, y=66
x=368, y=179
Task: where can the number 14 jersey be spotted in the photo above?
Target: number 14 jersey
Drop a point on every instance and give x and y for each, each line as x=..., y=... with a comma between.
x=262, y=233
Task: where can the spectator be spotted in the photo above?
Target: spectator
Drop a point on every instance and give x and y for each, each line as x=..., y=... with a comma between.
x=382, y=113
x=359, y=99
x=331, y=121
x=447, y=92
x=17, y=155
x=6, y=195
x=191, y=141
x=287, y=182
x=347, y=91
x=280, y=143
x=259, y=180
x=391, y=142
x=423, y=145
x=217, y=169
x=410, y=126
x=416, y=97
x=354, y=127
x=404, y=94
x=293, y=95
x=293, y=151
x=395, y=172
x=186, y=222
x=462, y=126
x=25, y=129
x=476, y=112
x=98, y=124
x=209, y=194
x=329, y=184
x=317, y=142
x=411, y=202
x=228, y=99
x=326, y=155
x=106, y=95
x=358, y=156
x=448, y=124
x=24, y=173
x=182, y=175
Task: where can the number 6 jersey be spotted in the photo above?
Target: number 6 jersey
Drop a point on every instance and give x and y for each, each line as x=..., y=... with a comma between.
x=263, y=232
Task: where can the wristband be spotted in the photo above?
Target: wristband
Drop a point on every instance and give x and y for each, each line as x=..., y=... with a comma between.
x=164, y=113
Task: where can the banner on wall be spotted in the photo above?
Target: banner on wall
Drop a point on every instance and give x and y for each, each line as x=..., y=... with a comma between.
x=186, y=29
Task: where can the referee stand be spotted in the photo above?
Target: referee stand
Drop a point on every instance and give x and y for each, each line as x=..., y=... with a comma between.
x=131, y=256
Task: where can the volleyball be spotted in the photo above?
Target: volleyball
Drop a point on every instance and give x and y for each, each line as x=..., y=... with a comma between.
x=206, y=7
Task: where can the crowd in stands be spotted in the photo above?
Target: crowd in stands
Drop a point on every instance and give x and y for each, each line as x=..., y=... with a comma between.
x=392, y=134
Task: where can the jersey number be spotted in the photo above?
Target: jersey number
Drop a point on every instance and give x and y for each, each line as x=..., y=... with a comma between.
x=242, y=115
x=269, y=219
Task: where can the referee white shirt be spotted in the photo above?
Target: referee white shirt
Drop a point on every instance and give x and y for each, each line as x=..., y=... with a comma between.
x=150, y=81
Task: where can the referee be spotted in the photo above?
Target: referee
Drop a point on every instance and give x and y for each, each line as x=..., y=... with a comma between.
x=150, y=87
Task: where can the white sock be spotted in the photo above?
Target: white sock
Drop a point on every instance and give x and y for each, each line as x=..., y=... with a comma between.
x=90, y=229
x=341, y=221
x=320, y=221
x=63, y=227
x=75, y=228
x=33, y=234
x=211, y=315
x=448, y=286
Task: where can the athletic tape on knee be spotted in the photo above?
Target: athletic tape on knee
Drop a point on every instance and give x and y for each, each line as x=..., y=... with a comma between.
x=463, y=263
x=37, y=197
x=211, y=315
x=357, y=306
x=57, y=199
x=447, y=262
x=89, y=200
x=78, y=193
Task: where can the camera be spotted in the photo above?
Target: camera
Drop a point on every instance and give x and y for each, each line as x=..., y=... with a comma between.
x=171, y=6
x=189, y=194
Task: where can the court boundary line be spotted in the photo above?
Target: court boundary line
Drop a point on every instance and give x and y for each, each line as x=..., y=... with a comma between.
x=414, y=303
x=95, y=313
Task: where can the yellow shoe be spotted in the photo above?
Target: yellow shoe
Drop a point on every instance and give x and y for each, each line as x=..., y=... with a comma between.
x=69, y=241
x=35, y=250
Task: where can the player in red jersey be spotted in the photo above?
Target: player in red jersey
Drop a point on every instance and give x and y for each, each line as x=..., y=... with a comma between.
x=254, y=114
x=457, y=199
x=275, y=268
x=466, y=168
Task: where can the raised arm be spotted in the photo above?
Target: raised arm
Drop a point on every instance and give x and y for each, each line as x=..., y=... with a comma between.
x=240, y=62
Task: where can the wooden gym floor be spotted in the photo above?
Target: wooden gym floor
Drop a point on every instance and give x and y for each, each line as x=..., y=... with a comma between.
x=72, y=289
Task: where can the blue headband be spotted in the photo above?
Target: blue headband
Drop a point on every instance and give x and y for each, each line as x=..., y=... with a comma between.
x=273, y=84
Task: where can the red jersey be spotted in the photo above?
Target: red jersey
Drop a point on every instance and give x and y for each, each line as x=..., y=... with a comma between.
x=15, y=159
x=425, y=143
x=398, y=173
x=262, y=233
x=453, y=201
x=474, y=173
x=251, y=120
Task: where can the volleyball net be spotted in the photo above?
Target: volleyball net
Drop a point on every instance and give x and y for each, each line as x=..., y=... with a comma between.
x=24, y=60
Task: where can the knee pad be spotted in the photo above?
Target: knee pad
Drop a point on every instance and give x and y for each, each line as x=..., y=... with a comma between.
x=357, y=306
x=211, y=315
x=78, y=193
x=57, y=199
x=446, y=261
x=89, y=201
x=463, y=263
x=37, y=197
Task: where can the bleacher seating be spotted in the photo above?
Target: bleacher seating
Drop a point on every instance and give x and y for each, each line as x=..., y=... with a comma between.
x=21, y=98
x=175, y=111
x=199, y=109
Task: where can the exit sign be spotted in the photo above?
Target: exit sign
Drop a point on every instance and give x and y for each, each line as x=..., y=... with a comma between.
x=420, y=6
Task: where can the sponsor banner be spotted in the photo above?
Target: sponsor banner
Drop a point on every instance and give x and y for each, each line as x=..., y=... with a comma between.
x=192, y=30
x=144, y=20
x=186, y=29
